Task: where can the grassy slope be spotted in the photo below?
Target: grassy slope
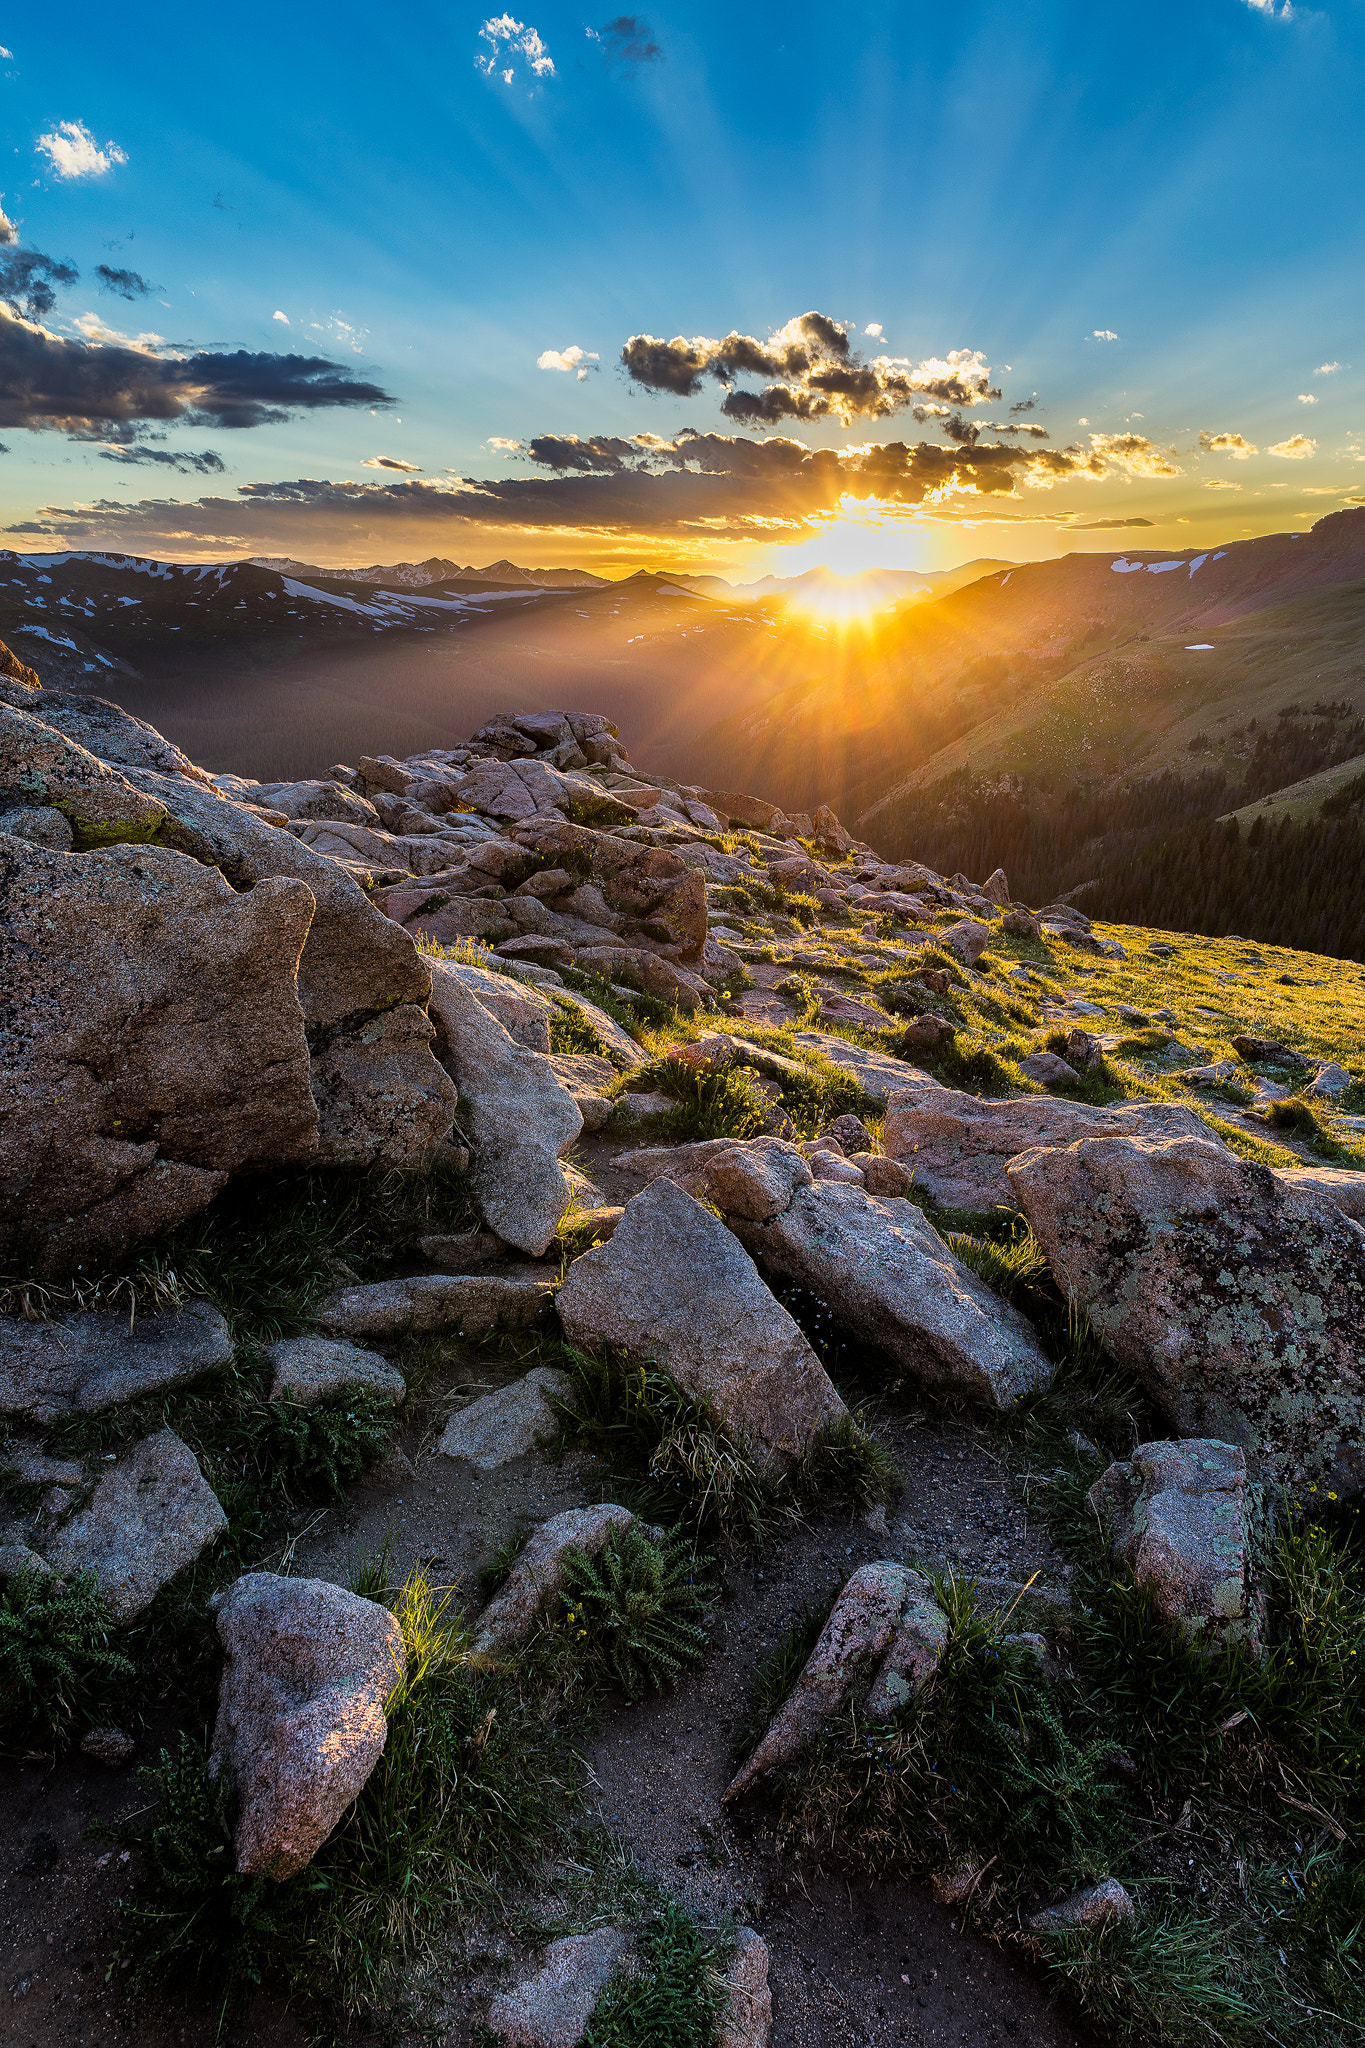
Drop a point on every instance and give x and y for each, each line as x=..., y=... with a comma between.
x=1301, y=801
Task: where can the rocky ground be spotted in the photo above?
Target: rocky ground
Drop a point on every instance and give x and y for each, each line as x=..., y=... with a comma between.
x=335, y=1108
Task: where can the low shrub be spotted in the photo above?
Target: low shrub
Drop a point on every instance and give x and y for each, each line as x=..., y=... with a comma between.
x=710, y=1104
x=313, y=1453
x=59, y=1668
x=638, y=1607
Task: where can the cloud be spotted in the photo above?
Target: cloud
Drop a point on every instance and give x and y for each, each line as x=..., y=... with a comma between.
x=510, y=41
x=820, y=375
x=1104, y=334
x=129, y=284
x=1327, y=369
x=874, y=327
x=48, y=382
x=1273, y=10
x=72, y=152
x=503, y=445
x=1133, y=453
x=628, y=40
x=1308, y=398
x=1025, y=405
x=1235, y=445
x=27, y=278
x=1296, y=449
x=132, y=453
x=573, y=358
x=1221, y=483
x=284, y=317
x=1101, y=525
x=8, y=231
x=392, y=462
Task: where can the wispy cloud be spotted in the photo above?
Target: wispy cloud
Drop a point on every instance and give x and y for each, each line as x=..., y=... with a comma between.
x=1134, y=453
x=503, y=445
x=1101, y=525
x=133, y=454
x=72, y=152
x=1221, y=483
x=512, y=44
x=128, y=284
x=817, y=373
x=1296, y=449
x=27, y=278
x=627, y=40
x=1103, y=334
x=1236, y=445
x=1273, y=10
x=392, y=462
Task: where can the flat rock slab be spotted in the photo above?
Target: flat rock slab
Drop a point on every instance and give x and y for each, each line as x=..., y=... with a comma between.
x=957, y=1145
x=1327, y=1183
x=300, y=1711
x=675, y=1286
x=1236, y=1301
x=883, y=1269
x=877, y=1073
x=307, y=1369
x=92, y=1362
x=150, y=1516
x=552, y=2008
x=538, y=1573
x=509, y=1424
x=470, y=1304
x=1180, y=1515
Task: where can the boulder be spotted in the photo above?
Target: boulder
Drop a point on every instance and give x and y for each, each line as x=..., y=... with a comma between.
x=300, y=1711
x=1083, y=1050
x=510, y=1424
x=92, y=1362
x=674, y=1286
x=151, y=1044
x=882, y=1176
x=1330, y=1081
x=516, y=1113
x=1096, y=1906
x=151, y=1514
x=1049, y=1069
x=1022, y=924
x=877, y=1073
x=746, y=2018
x=997, y=887
x=462, y=1253
x=538, y=1573
x=1237, y=1301
x=884, y=1271
x=113, y=735
x=382, y=1099
x=1180, y=1515
x=552, y=2008
x=968, y=939
x=308, y=1369
x=469, y=1304
x=40, y=766
x=41, y=826
x=957, y=1145
x=317, y=800
x=523, y=1013
x=881, y=1644
x=1336, y=1184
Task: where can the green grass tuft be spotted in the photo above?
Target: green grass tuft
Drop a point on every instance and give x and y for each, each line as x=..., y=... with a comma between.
x=670, y=1998
x=637, y=1605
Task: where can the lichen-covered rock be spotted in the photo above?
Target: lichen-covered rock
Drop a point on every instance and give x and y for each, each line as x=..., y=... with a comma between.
x=523, y=1013
x=382, y=1098
x=151, y=1043
x=883, y=1269
x=674, y=1286
x=1180, y=1515
x=300, y=1711
x=881, y=1644
x=92, y=1362
x=538, y=1573
x=112, y=734
x=308, y=1369
x=151, y=1515
x=1237, y=1301
x=40, y=766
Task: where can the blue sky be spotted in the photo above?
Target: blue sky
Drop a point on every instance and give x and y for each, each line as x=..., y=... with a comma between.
x=1148, y=217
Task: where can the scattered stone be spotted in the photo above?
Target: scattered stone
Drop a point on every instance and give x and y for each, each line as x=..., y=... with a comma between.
x=882, y=1177
x=997, y=887
x=674, y=1286
x=510, y=1424
x=834, y=1167
x=926, y=1033
x=1049, y=1069
x=881, y=1644
x=463, y=1253
x=17, y=1557
x=1096, y=1906
x=958, y=1144
x=307, y=1369
x=300, y=1711
x=1331, y=1081
x=640, y=1105
x=1268, y=1051
x=523, y=1014
x=842, y=1009
x=1237, y=1300
x=746, y=2018
x=967, y=939
x=538, y=1573
x=603, y=1220
x=112, y=1747
x=1179, y=1514
x=885, y=1272
x=152, y=1514
x=469, y=1304
x=552, y=2008
x=92, y=1362
x=851, y=1132
x=1083, y=1051
x=517, y=1114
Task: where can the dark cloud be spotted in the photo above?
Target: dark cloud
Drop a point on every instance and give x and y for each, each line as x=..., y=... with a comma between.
x=1098, y=525
x=129, y=284
x=599, y=454
x=1024, y=405
x=46, y=382
x=815, y=372
x=27, y=278
x=182, y=460
x=629, y=40
x=1015, y=427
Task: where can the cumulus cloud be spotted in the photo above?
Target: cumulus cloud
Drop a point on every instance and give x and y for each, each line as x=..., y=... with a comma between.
x=27, y=278
x=1133, y=453
x=392, y=462
x=817, y=373
x=627, y=40
x=1296, y=449
x=138, y=453
x=1221, y=483
x=874, y=327
x=284, y=317
x=572, y=358
x=1236, y=445
x=1273, y=10
x=8, y=231
x=1327, y=369
x=503, y=445
x=1308, y=398
x=129, y=284
x=1103, y=334
x=72, y=152
x=49, y=382
x=510, y=44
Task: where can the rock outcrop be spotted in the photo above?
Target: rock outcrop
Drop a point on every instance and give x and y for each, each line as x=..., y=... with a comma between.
x=92, y=1362
x=151, y=1514
x=1181, y=1514
x=538, y=1573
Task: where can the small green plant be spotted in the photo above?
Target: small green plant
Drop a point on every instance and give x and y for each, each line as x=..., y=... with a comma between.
x=671, y=1997
x=571, y=1032
x=962, y=1062
x=1295, y=1114
x=638, y=1605
x=847, y=1463
x=723, y=1104
x=317, y=1452
x=1018, y=1269
x=58, y=1664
